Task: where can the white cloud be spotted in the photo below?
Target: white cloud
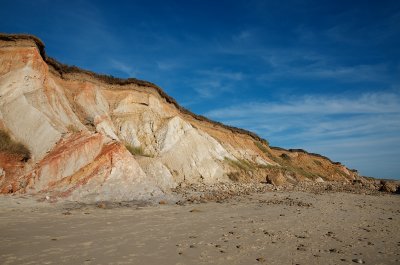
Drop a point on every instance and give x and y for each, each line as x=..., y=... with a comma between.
x=211, y=83
x=368, y=103
x=123, y=68
x=352, y=129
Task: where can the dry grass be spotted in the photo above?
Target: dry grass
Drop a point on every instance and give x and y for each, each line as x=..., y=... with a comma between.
x=241, y=164
x=136, y=150
x=261, y=147
x=8, y=145
x=73, y=128
x=234, y=176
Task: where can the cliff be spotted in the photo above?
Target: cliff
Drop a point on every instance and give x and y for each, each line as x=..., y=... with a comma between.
x=91, y=137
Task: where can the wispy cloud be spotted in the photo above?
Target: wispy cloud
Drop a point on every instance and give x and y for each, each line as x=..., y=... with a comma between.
x=211, y=83
x=123, y=68
x=336, y=126
x=307, y=65
x=368, y=103
x=168, y=65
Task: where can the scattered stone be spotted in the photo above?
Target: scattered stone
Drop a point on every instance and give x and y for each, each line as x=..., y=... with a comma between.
x=301, y=247
x=329, y=187
x=329, y=233
x=388, y=186
x=101, y=205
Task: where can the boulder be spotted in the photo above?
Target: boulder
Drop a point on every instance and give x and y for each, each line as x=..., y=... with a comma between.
x=388, y=186
x=275, y=179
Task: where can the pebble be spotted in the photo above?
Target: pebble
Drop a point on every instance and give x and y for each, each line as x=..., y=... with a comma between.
x=301, y=247
x=360, y=261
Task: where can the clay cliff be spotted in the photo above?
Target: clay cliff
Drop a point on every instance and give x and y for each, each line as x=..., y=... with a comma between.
x=74, y=134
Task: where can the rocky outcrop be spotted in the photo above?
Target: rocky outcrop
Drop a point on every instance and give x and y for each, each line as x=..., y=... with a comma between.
x=77, y=125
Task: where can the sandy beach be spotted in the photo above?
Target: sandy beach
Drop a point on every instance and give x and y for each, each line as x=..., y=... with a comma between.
x=269, y=228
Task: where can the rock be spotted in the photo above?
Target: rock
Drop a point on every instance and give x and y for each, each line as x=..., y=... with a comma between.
x=388, y=186
x=319, y=180
x=275, y=179
x=329, y=187
x=101, y=205
x=260, y=259
x=301, y=247
x=360, y=261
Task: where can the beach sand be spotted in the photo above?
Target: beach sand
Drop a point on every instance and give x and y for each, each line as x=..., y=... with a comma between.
x=269, y=228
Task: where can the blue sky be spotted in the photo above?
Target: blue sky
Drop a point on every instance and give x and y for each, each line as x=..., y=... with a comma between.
x=319, y=75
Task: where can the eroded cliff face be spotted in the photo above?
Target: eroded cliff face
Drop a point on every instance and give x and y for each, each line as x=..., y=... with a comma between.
x=77, y=126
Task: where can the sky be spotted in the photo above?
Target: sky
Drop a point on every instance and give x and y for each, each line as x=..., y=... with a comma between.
x=320, y=75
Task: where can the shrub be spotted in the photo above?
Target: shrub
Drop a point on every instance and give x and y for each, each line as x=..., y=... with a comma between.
x=285, y=156
x=10, y=146
x=136, y=150
x=261, y=147
x=318, y=163
x=73, y=128
x=234, y=176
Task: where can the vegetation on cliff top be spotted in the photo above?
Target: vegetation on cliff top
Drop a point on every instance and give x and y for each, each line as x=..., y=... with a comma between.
x=63, y=69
